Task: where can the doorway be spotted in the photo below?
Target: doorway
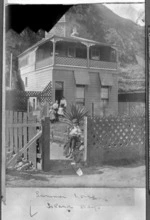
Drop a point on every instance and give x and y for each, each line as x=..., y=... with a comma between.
x=59, y=90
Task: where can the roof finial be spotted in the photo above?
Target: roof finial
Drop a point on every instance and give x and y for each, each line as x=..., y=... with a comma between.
x=74, y=31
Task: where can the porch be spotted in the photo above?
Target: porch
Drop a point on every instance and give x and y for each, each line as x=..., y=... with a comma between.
x=71, y=52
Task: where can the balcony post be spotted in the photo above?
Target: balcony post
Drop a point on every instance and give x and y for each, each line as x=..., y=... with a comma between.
x=88, y=55
x=88, y=45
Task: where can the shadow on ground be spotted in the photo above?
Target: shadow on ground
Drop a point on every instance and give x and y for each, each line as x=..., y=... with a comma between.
x=25, y=175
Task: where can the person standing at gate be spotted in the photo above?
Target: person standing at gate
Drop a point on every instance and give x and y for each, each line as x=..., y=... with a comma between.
x=74, y=136
x=55, y=107
x=63, y=103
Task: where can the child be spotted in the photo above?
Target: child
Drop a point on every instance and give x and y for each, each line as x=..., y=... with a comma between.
x=55, y=107
x=52, y=115
x=60, y=111
x=75, y=134
x=63, y=103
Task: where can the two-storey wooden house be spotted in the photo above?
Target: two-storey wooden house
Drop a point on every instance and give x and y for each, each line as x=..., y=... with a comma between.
x=83, y=71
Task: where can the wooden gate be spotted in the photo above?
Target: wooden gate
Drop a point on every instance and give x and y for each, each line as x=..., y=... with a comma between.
x=50, y=137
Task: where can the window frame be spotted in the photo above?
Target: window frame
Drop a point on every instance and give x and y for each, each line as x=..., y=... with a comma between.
x=105, y=100
x=113, y=56
x=95, y=50
x=80, y=101
x=74, y=52
x=62, y=82
x=108, y=89
x=81, y=51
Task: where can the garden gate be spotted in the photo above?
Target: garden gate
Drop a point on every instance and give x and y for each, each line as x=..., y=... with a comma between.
x=21, y=129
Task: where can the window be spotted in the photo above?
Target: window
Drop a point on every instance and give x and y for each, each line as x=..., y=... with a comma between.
x=71, y=52
x=44, y=51
x=104, y=97
x=59, y=85
x=95, y=54
x=26, y=81
x=105, y=92
x=80, y=94
x=81, y=53
x=104, y=103
x=113, y=56
x=60, y=49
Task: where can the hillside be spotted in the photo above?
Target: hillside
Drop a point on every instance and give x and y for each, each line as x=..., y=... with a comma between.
x=16, y=44
x=97, y=22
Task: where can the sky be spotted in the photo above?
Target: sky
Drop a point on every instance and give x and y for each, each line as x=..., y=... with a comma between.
x=129, y=11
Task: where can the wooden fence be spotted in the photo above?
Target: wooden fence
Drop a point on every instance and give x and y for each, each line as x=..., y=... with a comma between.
x=20, y=129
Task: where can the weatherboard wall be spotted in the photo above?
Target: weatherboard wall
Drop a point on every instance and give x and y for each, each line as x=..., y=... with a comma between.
x=93, y=95
x=92, y=91
x=43, y=78
x=37, y=81
x=113, y=96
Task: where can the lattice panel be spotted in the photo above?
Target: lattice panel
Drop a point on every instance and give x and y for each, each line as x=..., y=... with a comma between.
x=29, y=93
x=132, y=109
x=102, y=64
x=116, y=132
x=47, y=93
x=17, y=100
x=71, y=61
x=83, y=62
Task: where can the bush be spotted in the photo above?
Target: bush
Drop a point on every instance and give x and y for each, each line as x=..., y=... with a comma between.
x=75, y=112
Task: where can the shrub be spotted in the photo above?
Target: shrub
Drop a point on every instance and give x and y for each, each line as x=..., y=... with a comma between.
x=75, y=112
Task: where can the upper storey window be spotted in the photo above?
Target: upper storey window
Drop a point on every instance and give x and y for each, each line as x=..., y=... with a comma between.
x=44, y=51
x=81, y=52
x=113, y=55
x=95, y=54
x=103, y=53
x=71, y=52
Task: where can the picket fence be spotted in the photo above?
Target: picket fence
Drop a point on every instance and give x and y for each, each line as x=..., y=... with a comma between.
x=20, y=129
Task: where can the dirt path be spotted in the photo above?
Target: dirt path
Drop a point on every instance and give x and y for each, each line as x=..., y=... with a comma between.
x=106, y=176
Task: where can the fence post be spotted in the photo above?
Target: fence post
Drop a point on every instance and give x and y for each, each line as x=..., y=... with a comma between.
x=45, y=141
x=92, y=109
x=85, y=138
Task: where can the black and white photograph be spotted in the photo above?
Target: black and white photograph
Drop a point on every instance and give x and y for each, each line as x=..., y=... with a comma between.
x=74, y=111
x=75, y=98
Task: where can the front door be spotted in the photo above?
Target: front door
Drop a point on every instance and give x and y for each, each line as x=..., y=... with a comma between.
x=59, y=90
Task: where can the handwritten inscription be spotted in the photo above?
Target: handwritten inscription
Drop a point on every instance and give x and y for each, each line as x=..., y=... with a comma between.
x=39, y=195
x=86, y=197
x=56, y=205
x=51, y=206
x=58, y=201
x=91, y=197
